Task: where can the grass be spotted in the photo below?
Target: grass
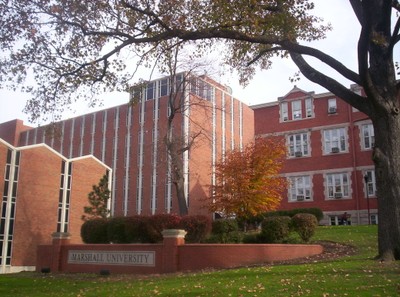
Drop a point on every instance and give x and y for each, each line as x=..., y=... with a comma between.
x=356, y=275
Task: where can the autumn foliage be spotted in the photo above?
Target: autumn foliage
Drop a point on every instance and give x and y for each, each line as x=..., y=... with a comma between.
x=248, y=181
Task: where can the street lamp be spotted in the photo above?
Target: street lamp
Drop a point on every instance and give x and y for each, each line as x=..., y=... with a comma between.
x=366, y=179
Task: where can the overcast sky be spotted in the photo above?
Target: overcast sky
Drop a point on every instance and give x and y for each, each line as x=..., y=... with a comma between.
x=266, y=86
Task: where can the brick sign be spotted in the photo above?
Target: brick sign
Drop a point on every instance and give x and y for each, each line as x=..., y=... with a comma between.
x=127, y=258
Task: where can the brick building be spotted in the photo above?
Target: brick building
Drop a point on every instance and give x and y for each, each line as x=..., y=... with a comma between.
x=130, y=139
x=43, y=193
x=329, y=154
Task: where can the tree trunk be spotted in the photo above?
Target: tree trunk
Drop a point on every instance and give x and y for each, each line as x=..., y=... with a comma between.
x=386, y=157
x=180, y=194
x=174, y=147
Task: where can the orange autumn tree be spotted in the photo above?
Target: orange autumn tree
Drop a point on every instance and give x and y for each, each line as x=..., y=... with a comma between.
x=248, y=181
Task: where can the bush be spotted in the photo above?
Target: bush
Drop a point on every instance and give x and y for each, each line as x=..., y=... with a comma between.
x=305, y=224
x=197, y=227
x=116, y=230
x=225, y=231
x=250, y=223
x=94, y=231
x=275, y=229
x=136, y=229
x=313, y=210
x=252, y=238
x=159, y=222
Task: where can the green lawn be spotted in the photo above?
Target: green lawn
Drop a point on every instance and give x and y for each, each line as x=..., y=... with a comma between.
x=356, y=275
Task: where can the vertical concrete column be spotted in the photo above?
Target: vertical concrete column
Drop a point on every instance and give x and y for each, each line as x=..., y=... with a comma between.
x=173, y=238
x=59, y=239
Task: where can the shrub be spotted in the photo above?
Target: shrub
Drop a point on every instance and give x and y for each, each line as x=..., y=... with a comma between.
x=317, y=212
x=275, y=229
x=136, y=229
x=252, y=238
x=159, y=222
x=305, y=224
x=116, y=230
x=225, y=230
x=94, y=231
x=197, y=227
x=250, y=223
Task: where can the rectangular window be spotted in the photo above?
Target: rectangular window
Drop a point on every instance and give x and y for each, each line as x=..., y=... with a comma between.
x=368, y=136
x=332, y=107
x=284, y=112
x=298, y=145
x=334, y=220
x=296, y=110
x=335, y=140
x=337, y=185
x=300, y=188
x=150, y=91
x=309, y=108
x=164, y=87
x=369, y=178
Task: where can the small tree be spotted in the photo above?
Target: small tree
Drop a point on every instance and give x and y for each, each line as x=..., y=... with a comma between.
x=98, y=200
x=247, y=182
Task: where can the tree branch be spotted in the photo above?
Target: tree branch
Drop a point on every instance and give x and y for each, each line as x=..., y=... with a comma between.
x=332, y=85
x=328, y=60
x=358, y=10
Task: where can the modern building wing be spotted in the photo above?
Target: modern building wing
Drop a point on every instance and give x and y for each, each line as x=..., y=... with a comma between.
x=130, y=139
x=43, y=193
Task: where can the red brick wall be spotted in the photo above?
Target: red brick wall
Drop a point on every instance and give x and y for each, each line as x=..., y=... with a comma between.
x=37, y=203
x=10, y=131
x=191, y=257
x=85, y=173
x=354, y=161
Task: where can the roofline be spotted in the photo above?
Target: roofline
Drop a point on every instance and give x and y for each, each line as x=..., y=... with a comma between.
x=27, y=147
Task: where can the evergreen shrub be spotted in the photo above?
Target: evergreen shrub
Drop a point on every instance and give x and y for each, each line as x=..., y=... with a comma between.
x=116, y=230
x=136, y=229
x=94, y=231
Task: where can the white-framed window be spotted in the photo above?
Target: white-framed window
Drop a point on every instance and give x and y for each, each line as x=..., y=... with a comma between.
x=369, y=179
x=332, y=106
x=300, y=188
x=296, y=110
x=284, y=112
x=164, y=86
x=334, y=140
x=150, y=91
x=298, y=145
x=309, y=107
x=368, y=136
x=374, y=219
x=338, y=185
x=334, y=220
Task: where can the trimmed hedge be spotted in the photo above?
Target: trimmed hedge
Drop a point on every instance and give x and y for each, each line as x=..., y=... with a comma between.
x=136, y=229
x=116, y=230
x=305, y=224
x=313, y=210
x=95, y=231
x=197, y=227
x=159, y=222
